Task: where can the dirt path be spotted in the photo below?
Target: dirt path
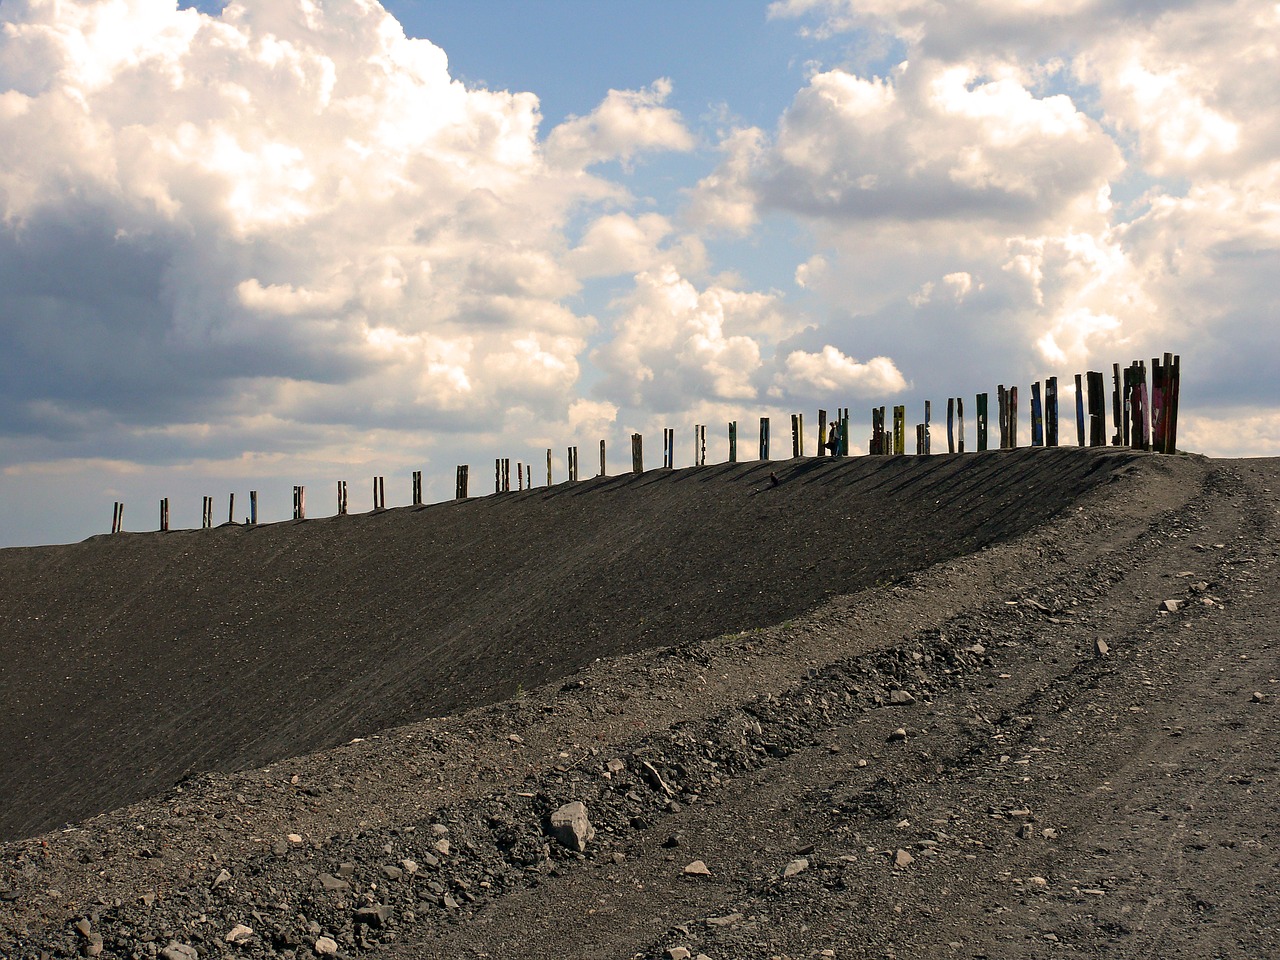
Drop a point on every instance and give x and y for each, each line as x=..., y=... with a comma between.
x=1048, y=800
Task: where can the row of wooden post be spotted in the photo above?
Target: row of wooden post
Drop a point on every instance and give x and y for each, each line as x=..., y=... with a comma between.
x=1144, y=417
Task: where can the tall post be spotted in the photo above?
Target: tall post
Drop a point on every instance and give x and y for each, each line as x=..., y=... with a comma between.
x=206, y=513
x=764, y=438
x=844, y=431
x=231, y=508
x=497, y=474
x=899, y=430
x=1011, y=399
x=1002, y=405
x=1117, y=407
x=164, y=513
x=460, y=485
x=548, y=466
x=951, y=424
x=253, y=508
x=602, y=473
x=878, y=442
x=982, y=421
x=1051, y=411
x=117, y=517
x=342, y=497
x=959, y=425
x=1097, y=410
x=733, y=441
x=573, y=464
x=1079, y=411
x=299, y=503
x=795, y=436
x=1037, y=417
x=637, y=453
x=928, y=416
x=1172, y=388
x=668, y=448
x=417, y=488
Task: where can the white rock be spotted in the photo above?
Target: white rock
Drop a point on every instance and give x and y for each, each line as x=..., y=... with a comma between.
x=327, y=947
x=239, y=934
x=571, y=827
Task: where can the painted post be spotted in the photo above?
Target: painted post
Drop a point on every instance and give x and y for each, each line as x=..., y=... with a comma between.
x=1011, y=400
x=519, y=475
x=548, y=466
x=668, y=448
x=253, y=508
x=164, y=514
x=1097, y=409
x=982, y=422
x=899, y=430
x=460, y=485
x=1117, y=407
x=1037, y=417
x=1051, y=412
x=928, y=416
x=342, y=497
x=1079, y=411
x=764, y=438
x=637, y=453
x=497, y=474
x=206, y=513
x=702, y=445
x=417, y=488
x=1172, y=388
x=299, y=503
x=959, y=424
x=951, y=424
x=879, y=443
x=733, y=441
x=117, y=516
x=602, y=472
x=573, y=460
x=1002, y=405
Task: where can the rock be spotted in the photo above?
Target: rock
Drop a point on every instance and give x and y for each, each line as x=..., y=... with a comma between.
x=439, y=830
x=1026, y=831
x=1258, y=696
x=391, y=873
x=180, y=951
x=654, y=778
x=795, y=866
x=441, y=847
x=83, y=927
x=515, y=738
x=899, y=698
x=672, y=841
x=697, y=869
x=346, y=870
x=616, y=765
x=678, y=953
x=375, y=916
x=92, y=946
x=1037, y=883
x=1100, y=648
x=898, y=735
x=1171, y=606
x=903, y=858
x=294, y=838
x=326, y=947
x=239, y=934
x=332, y=884
x=725, y=921
x=409, y=866
x=222, y=877
x=571, y=827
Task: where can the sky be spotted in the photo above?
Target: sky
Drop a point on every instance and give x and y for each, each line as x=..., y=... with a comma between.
x=257, y=245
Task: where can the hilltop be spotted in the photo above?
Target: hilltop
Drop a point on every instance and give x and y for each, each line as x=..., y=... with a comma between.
x=1005, y=704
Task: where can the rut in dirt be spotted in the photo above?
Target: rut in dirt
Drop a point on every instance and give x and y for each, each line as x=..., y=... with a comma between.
x=132, y=661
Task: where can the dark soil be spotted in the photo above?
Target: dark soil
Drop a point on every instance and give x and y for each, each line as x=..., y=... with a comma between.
x=1047, y=796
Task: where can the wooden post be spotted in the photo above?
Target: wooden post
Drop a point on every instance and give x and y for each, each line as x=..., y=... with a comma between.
x=1037, y=417
x=206, y=513
x=1079, y=411
x=1011, y=399
x=1117, y=407
x=460, y=485
x=922, y=447
x=637, y=453
x=548, y=466
x=497, y=474
x=601, y=461
x=764, y=438
x=879, y=443
x=822, y=434
x=299, y=503
x=959, y=424
x=117, y=517
x=573, y=459
x=1002, y=406
x=928, y=439
x=1051, y=411
x=733, y=441
x=951, y=424
x=668, y=448
x=253, y=508
x=417, y=488
x=342, y=497
x=1097, y=409
x=982, y=421
x=899, y=430
x=700, y=445
x=1173, y=387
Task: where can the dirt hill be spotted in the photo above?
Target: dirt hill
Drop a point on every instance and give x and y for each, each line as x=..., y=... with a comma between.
x=872, y=700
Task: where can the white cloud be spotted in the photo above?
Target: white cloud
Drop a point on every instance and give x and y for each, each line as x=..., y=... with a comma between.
x=830, y=371
x=619, y=243
x=627, y=122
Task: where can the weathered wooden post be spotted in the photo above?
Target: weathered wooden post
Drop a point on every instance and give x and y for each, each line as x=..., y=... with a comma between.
x=928, y=418
x=380, y=492
x=733, y=441
x=506, y=474
x=602, y=473
x=637, y=453
x=1011, y=399
x=668, y=448
x=253, y=508
x=164, y=513
x=700, y=445
x=951, y=424
x=1079, y=411
x=342, y=497
x=573, y=464
x=497, y=474
x=764, y=438
x=548, y=466
x=299, y=503
x=460, y=484
x=1117, y=407
x=922, y=446
x=206, y=513
x=879, y=442
x=982, y=421
x=1051, y=411
x=1002, y=406
x=844, y=431
x=959, y=425
x=417, y=488
x=822, y=434
x=1173, y=387
x=1097, y=409
x=795, y=435
x=899, y=430
x=1037, y=416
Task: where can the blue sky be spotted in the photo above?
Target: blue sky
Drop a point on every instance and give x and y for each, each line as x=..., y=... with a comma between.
x=299, y=242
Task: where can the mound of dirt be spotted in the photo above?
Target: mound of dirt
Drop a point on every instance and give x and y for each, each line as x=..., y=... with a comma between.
x=1056, y=739
x=130, y=662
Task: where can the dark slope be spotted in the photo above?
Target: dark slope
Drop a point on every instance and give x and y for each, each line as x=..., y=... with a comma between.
x=131, y=661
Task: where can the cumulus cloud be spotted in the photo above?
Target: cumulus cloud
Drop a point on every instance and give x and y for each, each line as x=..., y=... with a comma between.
x=830, y=371
x=627, y=122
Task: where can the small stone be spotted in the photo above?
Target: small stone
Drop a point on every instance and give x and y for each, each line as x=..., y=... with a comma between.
x=439, y=830
x=678, y=953
x=795, y=866
x=179, y=951
x=294, y=838
x=222, y=877
x=903, y=858
x=571, y=827
x=898, y=735
x=1171, y=606
x=332, y=884
x=1258, y=696
x=326, y=947
x=725, y=921
x=1100, y=648
x=1026, y=831
x=92, y=946
x=899, y=698
x=616, y=765
x=1037, y=883
x=441, y=847
x=391, y=873
x=409, y=866
x=672, y=841
x=239, y=934
x=697, y=869
x=83, y=927
x=449, y=903
x=515, y=738
x=375, y=916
